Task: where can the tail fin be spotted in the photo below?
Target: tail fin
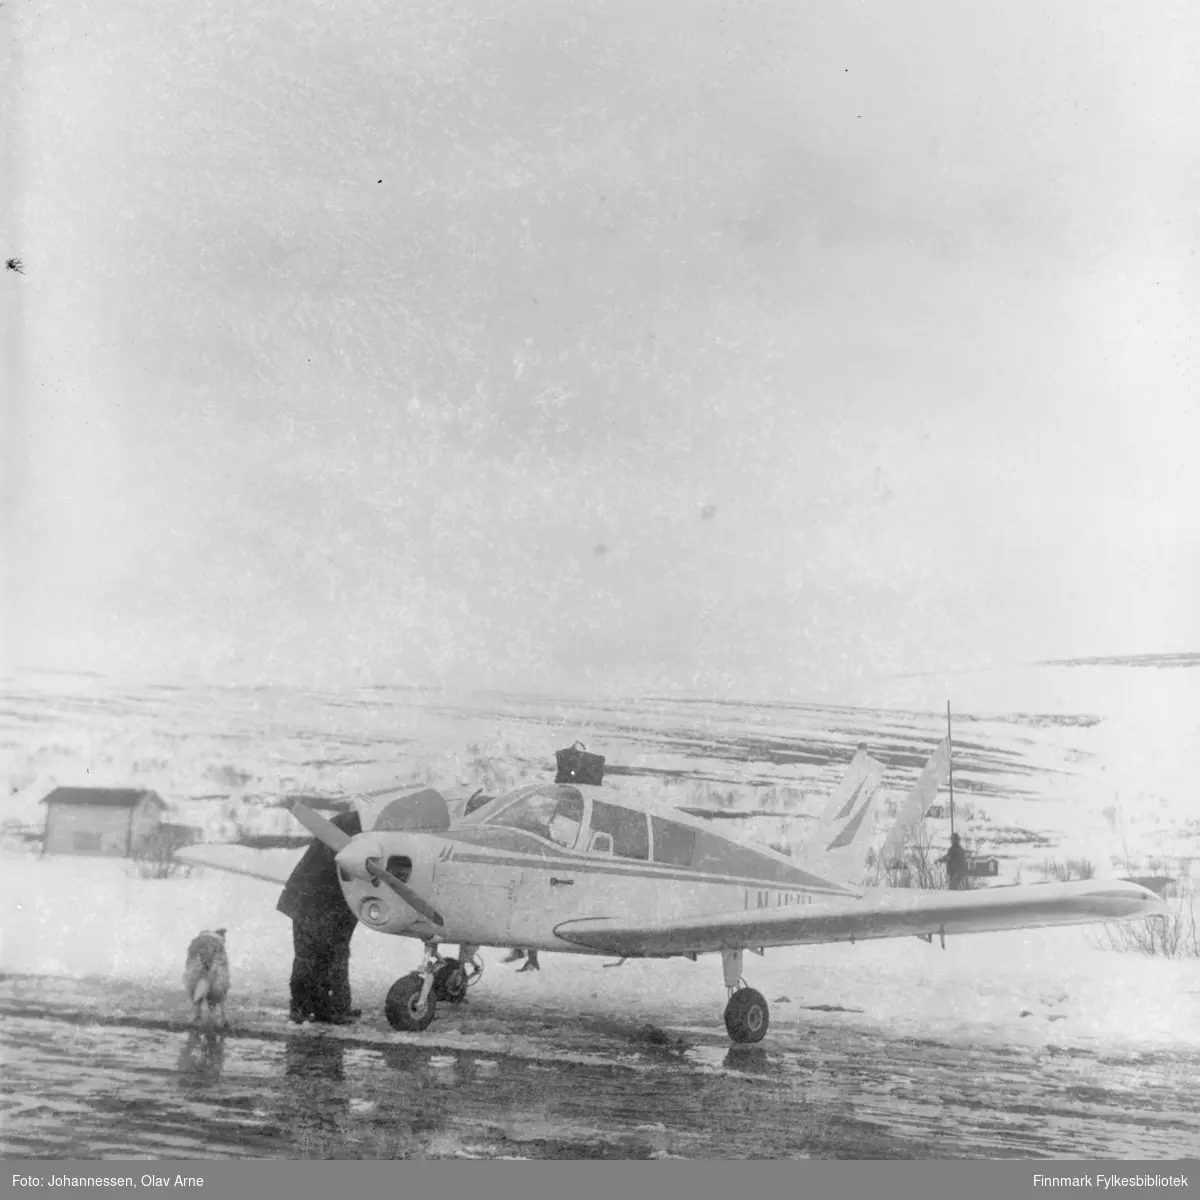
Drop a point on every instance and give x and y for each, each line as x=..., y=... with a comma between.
x=842, y=839
x=913, y=810
x=201, y=991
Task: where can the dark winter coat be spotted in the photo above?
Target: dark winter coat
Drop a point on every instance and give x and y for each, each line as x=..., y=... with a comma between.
x=312, y=894
x=956, y=864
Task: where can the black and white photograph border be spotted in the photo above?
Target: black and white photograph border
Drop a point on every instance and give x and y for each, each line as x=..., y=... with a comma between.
x=599, y=581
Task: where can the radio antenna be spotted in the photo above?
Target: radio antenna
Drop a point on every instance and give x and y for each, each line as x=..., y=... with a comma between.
x=950, y=761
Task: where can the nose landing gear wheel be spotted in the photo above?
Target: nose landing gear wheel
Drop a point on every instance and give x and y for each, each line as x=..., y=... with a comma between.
x=450, y=982
x=403, y=1006
x=747, y=1016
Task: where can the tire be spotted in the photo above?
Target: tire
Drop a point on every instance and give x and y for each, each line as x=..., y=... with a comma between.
x=450, y=982
x=747, y=1016
x=402, y=1006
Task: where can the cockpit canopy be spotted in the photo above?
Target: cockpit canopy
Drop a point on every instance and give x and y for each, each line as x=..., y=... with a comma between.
x=552, y=811
x=562, y=814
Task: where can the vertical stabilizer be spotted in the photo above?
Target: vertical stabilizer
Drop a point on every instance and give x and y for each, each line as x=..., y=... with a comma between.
x=842, y=839
x=912, y=811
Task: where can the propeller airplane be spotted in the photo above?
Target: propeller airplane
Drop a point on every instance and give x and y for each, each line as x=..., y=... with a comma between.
x=579, y=869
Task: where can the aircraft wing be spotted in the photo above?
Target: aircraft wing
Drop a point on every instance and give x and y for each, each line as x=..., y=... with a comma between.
x=881, y=913
x=271, y=866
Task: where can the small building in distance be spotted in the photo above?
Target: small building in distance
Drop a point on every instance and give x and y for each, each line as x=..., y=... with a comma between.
x=115, y=822
x=982, y=865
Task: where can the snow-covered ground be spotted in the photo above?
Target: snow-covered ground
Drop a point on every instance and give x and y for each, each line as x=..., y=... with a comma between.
x=95, y=919
x=1046, y=777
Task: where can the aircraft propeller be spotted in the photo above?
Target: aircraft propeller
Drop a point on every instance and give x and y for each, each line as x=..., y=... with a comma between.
x=325, y=830
x=405, y=893
x=337, y=841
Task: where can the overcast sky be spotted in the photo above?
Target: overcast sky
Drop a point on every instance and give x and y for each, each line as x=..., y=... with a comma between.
x=759, y=347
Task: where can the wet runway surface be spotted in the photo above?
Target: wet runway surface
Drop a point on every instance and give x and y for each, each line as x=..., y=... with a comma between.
x=80, y=1084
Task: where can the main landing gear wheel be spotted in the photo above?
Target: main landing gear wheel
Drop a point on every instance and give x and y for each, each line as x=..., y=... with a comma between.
x=450, y=982
x=747, y=1016
x=403, y=1006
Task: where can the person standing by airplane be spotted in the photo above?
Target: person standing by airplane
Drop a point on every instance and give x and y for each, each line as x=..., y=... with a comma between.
x=322, y=926
x=530, y=957
x=956, y=863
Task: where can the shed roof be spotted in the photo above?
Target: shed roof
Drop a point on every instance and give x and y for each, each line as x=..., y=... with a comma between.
x=103, y=797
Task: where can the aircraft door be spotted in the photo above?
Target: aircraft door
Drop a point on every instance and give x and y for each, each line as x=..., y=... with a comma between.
x=551, y=889
x=481, y=910
x=549, y=894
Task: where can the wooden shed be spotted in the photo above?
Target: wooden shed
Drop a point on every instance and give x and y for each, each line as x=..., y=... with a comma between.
x=117, y=822
x=984, y=865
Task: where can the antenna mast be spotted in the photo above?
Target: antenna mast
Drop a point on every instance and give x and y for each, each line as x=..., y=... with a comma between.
x=950, y=761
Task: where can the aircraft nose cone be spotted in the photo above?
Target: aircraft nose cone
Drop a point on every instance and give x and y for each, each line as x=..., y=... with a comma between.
x=352, y=859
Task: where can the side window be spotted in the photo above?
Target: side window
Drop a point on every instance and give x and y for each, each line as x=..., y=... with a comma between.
x=627, y=828
x=673, y=843
x=568, y=817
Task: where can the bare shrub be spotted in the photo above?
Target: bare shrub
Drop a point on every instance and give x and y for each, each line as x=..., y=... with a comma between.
x=915, y=865
x=1177, y=935
x=1073, y=868
x=20, y=838
x=157, y=861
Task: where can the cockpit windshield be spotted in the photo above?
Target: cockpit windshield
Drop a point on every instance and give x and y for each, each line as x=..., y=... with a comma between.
x=551, y=811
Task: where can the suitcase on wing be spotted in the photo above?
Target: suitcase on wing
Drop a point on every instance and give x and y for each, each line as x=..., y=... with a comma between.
x=577, y=765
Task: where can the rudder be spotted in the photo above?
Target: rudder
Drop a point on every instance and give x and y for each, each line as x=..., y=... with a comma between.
x=842, y=839
x=912, y=811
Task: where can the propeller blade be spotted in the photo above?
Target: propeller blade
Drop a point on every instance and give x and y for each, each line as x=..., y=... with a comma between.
x=406, y=894
x=325, y=831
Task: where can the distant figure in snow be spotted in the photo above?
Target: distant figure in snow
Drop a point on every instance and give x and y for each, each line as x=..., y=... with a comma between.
x=322, y=926
x=956, y=863
x=530, y=957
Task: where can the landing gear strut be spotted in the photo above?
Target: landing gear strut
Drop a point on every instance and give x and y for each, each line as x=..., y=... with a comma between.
x=412, y=1000
x=454, y=975
x=746, y=1013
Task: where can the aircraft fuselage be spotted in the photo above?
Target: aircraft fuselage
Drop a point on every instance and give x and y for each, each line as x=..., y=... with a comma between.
x=497, y=885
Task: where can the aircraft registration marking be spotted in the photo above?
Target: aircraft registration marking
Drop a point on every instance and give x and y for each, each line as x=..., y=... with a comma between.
x=769, y=897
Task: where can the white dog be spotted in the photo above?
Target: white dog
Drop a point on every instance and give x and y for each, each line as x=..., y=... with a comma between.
x=206, y=976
